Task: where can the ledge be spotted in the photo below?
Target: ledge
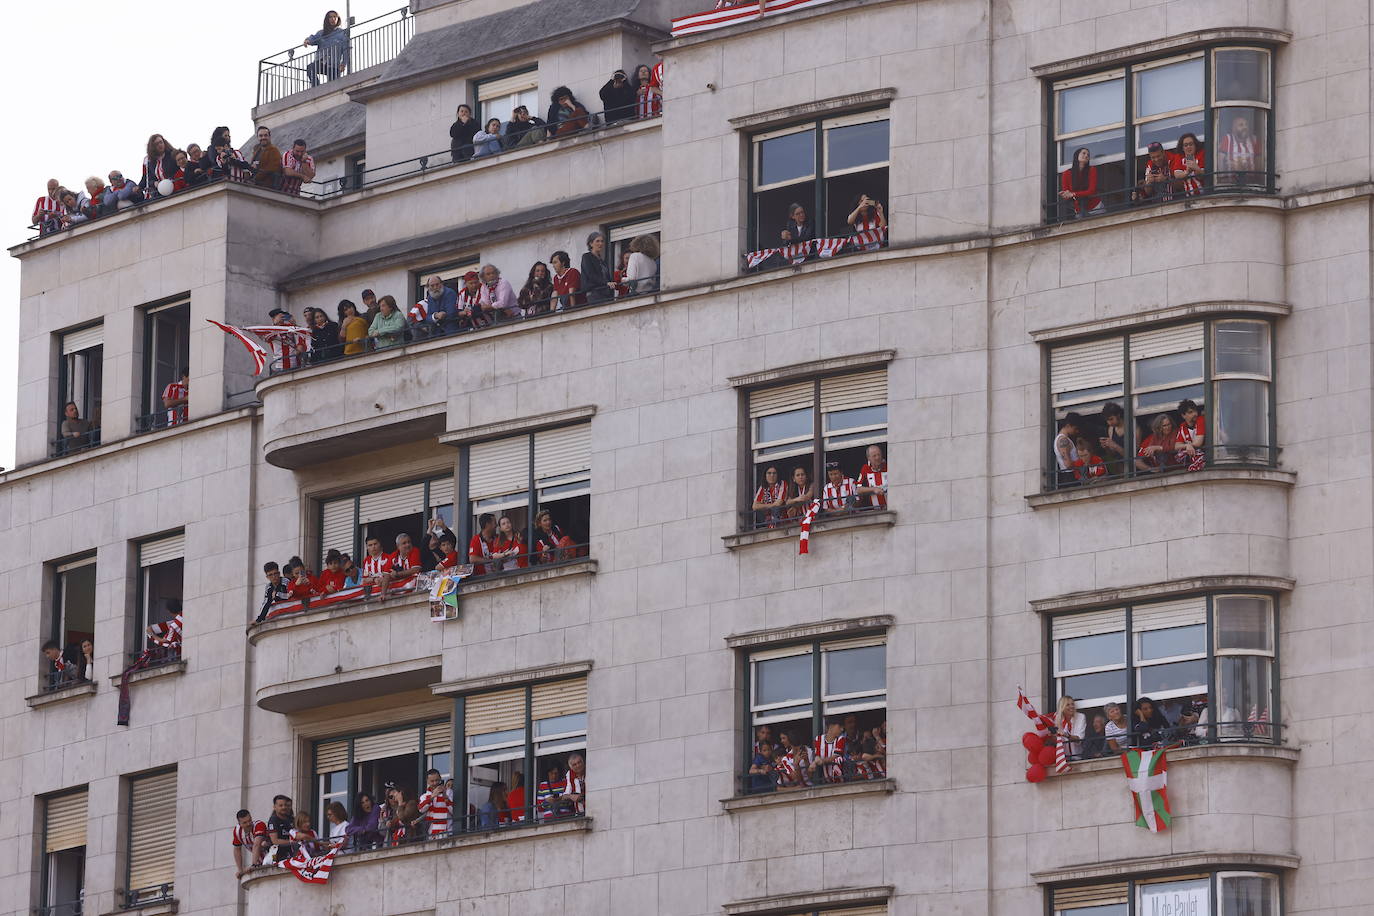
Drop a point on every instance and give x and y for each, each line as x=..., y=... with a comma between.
x=148, y=674
x=1239, y=749
x=433, y=847
x=822, y=525
x=1268, y=476
x=813, y=109
x=1145, y=49
x=1101, y=597
x=257, y=631
x=345, y=686
x=798, y=903
x=161, y=908
x=1138, y=320
x=1122, y=868
x=584, y=567
x=852, y=625
x=812, y=793
x=355, y=437
x=82, y=689
x=815, y=367
x=512, y=678
x=521, y=425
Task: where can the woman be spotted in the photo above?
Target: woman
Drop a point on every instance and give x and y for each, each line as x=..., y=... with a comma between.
x=223, y=159
x=461, y=134
x=537, y=293
x=1189, y=162
x=363, y=830
x=72, y=205
x=195, y=171
x=1071, y=725
x=388, y=328
x=642, y=271
x=337, y=816
x=566, y=115
x=1188, y=442
x=1149, y=728
x=620, y=278
x=1095, y=738
x=160, y=163
x=550, y=543
x=1079, y=185
x=406, y=823
x=515, y=798
x=1117, y=730
x=495, y=294
x=93, y=204
x=791, y=762
x=648, y=93
x=331, y=54
x=768, y=498
x=867, y=216
x=509, y=550
x=352, y=328
x=497, y=809
x=324, y=337
x=800, y=494
x=1113, y=445
x=487, y=140
x=1159, y=450
x=597, y=283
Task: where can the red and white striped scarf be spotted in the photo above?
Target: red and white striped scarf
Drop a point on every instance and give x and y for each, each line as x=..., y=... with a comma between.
x=168, y=634
x=1061, y=745
x=804, y=540
x=418, y=312
x=1041, y=722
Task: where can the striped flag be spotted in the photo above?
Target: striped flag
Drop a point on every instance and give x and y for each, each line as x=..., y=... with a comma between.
x=755, y=258
x=311, y=870
x=1259, y=720
x=1061, y=750
x=804, y=540
x=826, y=248
x=866, y=237
x=255, y=349
x=1042, y=723
x=1148, y=780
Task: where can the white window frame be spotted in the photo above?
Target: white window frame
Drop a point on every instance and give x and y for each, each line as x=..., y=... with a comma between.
x=1218, y=102
x=1061, y=136
x=1142, y=121
x=757, y=142
x=1061, y=674
x=864, y=117
x=756, y=708
x=872, y=699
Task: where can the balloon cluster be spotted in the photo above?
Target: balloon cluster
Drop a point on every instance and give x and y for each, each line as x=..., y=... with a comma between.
x=1040, y=755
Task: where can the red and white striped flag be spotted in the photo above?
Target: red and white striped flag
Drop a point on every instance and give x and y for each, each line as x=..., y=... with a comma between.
x=1061, y=749
x=1260, y=722
x=755, y=258
x=311, y=870
x=865, y=237
x=1042, y=723
x=804, y=541
x=826, y=248
x=255, y=349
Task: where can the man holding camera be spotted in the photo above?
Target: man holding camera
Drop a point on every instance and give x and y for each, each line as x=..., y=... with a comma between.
x=618, y=98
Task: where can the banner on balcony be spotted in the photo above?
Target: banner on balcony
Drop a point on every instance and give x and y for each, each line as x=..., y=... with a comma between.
x=1147, y=777
x=286, y=341
x=311, y=870
x=342, y=596
x=443, y=592
x=823, y=248
x=737, y=13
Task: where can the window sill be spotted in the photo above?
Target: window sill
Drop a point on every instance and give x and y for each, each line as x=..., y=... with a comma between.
x=1248, y=750
x=1181, y=478
x=1197, y=861
x=822, y=525
x=158, y=908
x=82, y=689
x=814, y=793
x=148, y=674
x=581, y=567
x=431, y=847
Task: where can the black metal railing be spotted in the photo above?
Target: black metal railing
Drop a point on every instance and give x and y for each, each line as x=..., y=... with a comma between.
x=67, y=445
x=785, y=516
x=850, y=769
x=1212, y=184
x=65, y=908
x=157, y=656
x=161, y=419
x=412, y=333
x=146, y=896
x=1209, y=457
x=369, y=43
x=1256, y=729
x=53, y=681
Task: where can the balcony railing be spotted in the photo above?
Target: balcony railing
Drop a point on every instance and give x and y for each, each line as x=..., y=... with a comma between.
x=68, y=445
x=65, y=908
x=783, y=780
x=370, y=43
x=790, y=517
x=160, y=419
x=1256, y=729
x=1213, y=457
x=1213, y=184
x=147, y=896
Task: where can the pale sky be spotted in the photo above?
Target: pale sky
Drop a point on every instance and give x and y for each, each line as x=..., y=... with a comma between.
x=85, y=99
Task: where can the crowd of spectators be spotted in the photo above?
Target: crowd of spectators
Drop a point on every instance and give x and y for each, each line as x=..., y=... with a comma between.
x=1090, y=449
x=779, y=502
x=845, y=752
x=1180, y=721
x=401, y=817
x=67, y=666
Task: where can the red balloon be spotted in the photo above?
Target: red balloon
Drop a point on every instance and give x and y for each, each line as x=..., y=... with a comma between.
x=1035, y=773
x=1046, y=757
x=1032, y=758
x=1030, y=741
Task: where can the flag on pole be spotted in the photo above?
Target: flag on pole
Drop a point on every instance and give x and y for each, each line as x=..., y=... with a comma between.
x=804, y=541
x=1042, y=723
x=1148, y=780
x=311, y=870
x=255, y=349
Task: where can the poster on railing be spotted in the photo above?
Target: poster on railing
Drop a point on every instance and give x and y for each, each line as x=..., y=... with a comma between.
x=443, y=592
x=797, y=253
x=736, y=13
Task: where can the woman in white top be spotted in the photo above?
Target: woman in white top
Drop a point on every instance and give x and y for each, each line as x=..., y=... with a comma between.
x=641, y=274
x=1118, y=731
x=1071, y=724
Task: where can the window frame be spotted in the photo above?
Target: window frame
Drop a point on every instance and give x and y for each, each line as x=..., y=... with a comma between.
x=138, y=639
x=1128, y=393
x=1215, y=876
x=455, y=269
x=152, y=416
x=357, y=552
x=132, y=898
x=58, y=617
x=91, y=397
x=1055, y=211
x=316, y=792
x=480, y=114
x=1211, y=655
x=45, y=878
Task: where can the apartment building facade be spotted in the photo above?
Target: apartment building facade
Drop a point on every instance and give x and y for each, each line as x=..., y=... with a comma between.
x=994, y=324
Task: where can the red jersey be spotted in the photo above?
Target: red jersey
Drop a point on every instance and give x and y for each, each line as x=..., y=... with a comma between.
x=515, y=801
x=478, y=549
x=448, y=561
x=168, y=634
x=291, y=184
x=834, y=772
x=868, y=477
x=835, y=497
x=176, y=414
x=410, y=561
x=328, y=581
x=521, y=558
x=439, y=807
x=301, y=589
x=46, y=207
x=246, y=836
x=567, y=288
x=375, y=566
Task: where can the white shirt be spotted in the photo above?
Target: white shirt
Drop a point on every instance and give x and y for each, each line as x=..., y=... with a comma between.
x=641, y=273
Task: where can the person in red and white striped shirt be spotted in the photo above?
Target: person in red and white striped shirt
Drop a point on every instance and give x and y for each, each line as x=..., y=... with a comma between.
x=840, y=493
x=872, y=480
x=168, y=635
x=868, y=215
x=437, y=804
x=479, y=548
x=830, y=755
x=575, y=786
x=48, y=210
x=405, y=562
x=175, y=397
x=376, y=566
x=251, y=835
x=297, y=167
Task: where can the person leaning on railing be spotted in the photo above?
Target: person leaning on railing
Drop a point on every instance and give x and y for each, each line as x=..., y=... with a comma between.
x=641, y=272
x=487, y=141
x=537, y=293
x=618, y=98
x=388, y=328
x=461, y=133
x=523, y=129
x=352, y=328
x=331, y=49
x=566, y=114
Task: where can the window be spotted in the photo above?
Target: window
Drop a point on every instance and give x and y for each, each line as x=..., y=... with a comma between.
x=522, y=477
x=1227, y=893
x=160, y=575
x=822, y=165
x=79, y=383
x=792, y=443
x=64, y=854
x=166, y=353
x=73, y=617
x=355, y=172
x=1118, y=403
x=347, y=522
x=509, y=734
x=1205, y=93
x=452, y=274
x=796, y=693
x=1206, y=665
x=498, y=97
x=347, y=766
x=620, y=235
x=150, y=845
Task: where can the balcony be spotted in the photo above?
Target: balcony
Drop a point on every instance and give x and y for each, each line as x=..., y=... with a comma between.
x=369, y=44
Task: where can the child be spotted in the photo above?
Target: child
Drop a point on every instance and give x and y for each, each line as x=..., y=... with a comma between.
x=437, y=803
x=62, y=670
x=277, y=589
x=303, y=835
x=332, y=579
x=301, y=588
x=622, y=289
x=376, y=566
x=353, y=576
x=763, y=772
x=1087, y=467
x=251, y=834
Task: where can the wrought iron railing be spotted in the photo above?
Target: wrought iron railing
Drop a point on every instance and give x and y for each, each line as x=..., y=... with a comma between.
x=67, y=445
x=1102, y=202
x=1256, y=729
x=1125, y=467
x=65, y=908
x=785, y=516
x=855, y=767
x=370, y=43
x=161, y=419
x=146, y=896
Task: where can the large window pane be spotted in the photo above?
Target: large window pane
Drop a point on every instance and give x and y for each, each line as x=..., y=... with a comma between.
x=1169, y=369
x=1093, y=105
x=1169, y=88
x=1102, y=146
x=788, y=425
x=77, y=612
x=791, y=157
x=1239, y=146
x=1242, y=75
x=858, y=670
x=1172, y=642
x=1240, y=421
x=1176, y=679
x=1242, y=347
x=1192, y=896
x=1244, y=622
x=1092, y=689
x=856, y=145
x=1243, y=695
x=1167, y=131
x=777, y=680
x=1249, y=895
x=1092, y=651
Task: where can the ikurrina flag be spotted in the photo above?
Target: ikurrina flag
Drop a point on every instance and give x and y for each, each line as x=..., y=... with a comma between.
x=1148, y=779
x=311, y=870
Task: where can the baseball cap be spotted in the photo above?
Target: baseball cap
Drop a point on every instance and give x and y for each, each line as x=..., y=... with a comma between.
x=275, y=312
x=470, y=275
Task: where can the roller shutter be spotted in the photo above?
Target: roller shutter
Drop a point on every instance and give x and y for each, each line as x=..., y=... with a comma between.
x=64, y=826
x=559, y=698
x=1093, y=623
x=84, y=339
x=847, y=392
x=1067, y=898
x=498, y=467
x=1167, y=614
x=331, y=756
x=441, y=492
x=507, y=85
x=501, y=711
x=1079, y=367
x=1165, y=341
x=172, y=547
x=438, y=737
x=152, y=830
x=768, y=401
x=337, y=525
x=564, y=451
x=630, y=230
x=388, y=744
x=393, y=503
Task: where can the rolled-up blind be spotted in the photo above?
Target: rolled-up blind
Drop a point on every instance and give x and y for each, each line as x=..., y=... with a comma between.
x=498, y=467
x=387, y=744
x=438, y=737
x=1166, y=614
x=393, y=503
x=559, y=452
x=507, y=85
x=501, y=711
x=172, y=547
x=331, y=756
x=1165, y=341
x=84, y=339
x=1093, y=623
x=847, y=392
x=559, y=698
x=630, y=230
x=441, y=492
x=781, y=399
x=1067, y=898
x=65, y=823
x=152, y=830
x=1095, y=364
x=337, y=526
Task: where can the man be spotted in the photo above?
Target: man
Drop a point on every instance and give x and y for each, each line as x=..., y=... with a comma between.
x=437, y=803
x=175, y=397
x=873, y=478
x=267, y=161
x=1157, y=184
x=297, y=167
x=618, y=98
x=441, y=304
x=277, y=589
x=287, y=351
x=168, y=635
x=1065, y=451
x=1240, y=157
x=63, y=670
x=376, y=566
x=405, y=562
x=497, y=297
x=479, y=548
x=548, y=792
x=76, y=432
x=567, y=282
x=524, y=130
x=763, y=735
x=370, y=308
x=251, y=834
x=120, y=194
x=469, y=308
x=574, y=798
x=279, y=827
x=829, y=755
x=839, y=493
x=566, y=115
x=48, y=210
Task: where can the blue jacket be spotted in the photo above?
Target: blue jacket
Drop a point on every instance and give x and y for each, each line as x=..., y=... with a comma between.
x=446, y=303
x=334, y=44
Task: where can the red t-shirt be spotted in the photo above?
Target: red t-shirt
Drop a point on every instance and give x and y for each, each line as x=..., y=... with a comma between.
x=329, y=579
x=449, y=560
x=245, y=837
x=299, y=589
x=410, y=561
x=567, y=285
x=478, y=549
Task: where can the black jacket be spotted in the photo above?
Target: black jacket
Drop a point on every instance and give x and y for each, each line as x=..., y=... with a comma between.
x=595, y=277
x=801, y=232
x=517, y=129
x=169, y=170
x=618, y=103
x=274, y=593
x=460, y=139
